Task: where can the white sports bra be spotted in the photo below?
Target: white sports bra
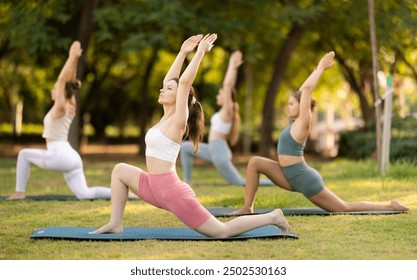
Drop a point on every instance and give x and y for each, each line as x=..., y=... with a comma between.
x=160, y=146
x=218, y=125
x=56, y=129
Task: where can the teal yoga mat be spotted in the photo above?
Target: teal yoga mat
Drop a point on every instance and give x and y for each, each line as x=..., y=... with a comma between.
x=140, y=233
x=46, y=197
x=308, y=211
x=56, y=197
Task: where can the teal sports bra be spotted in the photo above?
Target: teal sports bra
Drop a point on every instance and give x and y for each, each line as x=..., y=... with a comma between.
x=287, y=145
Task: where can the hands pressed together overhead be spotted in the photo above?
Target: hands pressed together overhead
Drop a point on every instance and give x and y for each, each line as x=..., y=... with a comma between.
x=326, y=62
x=236, y=59
x=75, y=49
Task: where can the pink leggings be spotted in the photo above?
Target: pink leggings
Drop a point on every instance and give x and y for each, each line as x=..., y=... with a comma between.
x=168, y=192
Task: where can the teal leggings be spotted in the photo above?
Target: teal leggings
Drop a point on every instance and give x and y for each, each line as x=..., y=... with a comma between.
x=304, y=179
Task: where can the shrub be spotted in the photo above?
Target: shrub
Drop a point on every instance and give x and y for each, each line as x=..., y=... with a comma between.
x=361, y=144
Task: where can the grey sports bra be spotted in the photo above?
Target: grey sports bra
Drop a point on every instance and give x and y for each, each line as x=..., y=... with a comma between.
x=287, y=145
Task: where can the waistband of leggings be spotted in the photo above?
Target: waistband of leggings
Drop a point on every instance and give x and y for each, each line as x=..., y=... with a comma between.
x=57, y=143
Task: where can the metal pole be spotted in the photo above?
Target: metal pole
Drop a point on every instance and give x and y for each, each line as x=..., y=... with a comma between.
x=386, y=134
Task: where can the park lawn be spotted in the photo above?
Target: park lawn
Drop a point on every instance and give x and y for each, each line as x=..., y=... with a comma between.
x=339, y=237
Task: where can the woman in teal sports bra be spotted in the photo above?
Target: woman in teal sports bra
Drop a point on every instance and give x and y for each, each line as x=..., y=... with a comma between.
x=291, y=171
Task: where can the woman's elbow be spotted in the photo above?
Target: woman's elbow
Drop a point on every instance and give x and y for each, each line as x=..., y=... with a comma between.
x=185, y=82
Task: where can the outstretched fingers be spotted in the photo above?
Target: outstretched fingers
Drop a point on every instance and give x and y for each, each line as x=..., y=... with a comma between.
x=211, y=38
x=191, y=43
x=195, y=39
x=207, y=42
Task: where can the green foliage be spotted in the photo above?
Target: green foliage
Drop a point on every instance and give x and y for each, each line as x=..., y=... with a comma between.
x=357, y=144
x=134, y=42
x=33, y=26
x=361, y=144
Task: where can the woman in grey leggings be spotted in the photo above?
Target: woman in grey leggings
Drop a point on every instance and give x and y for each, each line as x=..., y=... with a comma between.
x=224, y=128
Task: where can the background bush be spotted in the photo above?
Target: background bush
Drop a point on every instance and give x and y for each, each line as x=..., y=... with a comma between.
x=361, y=144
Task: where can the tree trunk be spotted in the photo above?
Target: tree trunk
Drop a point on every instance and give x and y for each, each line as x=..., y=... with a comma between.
x=378, y=108
x=360, y=87
x=280, y=65
x=145, y=108
x=84, y=34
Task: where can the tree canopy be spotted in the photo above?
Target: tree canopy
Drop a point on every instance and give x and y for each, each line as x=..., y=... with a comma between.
x=129, y=46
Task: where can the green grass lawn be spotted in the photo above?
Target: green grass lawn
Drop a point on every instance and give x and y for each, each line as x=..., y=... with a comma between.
x=344, y=237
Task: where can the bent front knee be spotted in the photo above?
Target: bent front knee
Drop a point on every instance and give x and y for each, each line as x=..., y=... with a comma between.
x=119, y=168
x=254, y=162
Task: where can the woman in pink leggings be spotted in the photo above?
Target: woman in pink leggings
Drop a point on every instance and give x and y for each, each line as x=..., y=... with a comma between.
x=161, y=186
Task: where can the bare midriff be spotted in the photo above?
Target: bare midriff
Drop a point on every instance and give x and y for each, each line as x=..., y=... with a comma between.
x=158, y=166
x=286, y=160
x=214, y=135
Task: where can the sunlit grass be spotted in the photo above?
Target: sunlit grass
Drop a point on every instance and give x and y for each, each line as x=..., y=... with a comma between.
x=335, y=237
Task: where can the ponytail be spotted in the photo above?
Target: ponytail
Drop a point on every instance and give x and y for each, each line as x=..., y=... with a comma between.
x=195, y=122
x=71, y=87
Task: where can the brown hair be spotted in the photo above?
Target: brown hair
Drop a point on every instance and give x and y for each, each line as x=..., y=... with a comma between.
x=71, y=87
x=234, y=131
x=195, y=121
x=297, y=95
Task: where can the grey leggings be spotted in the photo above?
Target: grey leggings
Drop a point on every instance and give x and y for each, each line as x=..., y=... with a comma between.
x=304, y=179
x=59, y=156
x=218, y=153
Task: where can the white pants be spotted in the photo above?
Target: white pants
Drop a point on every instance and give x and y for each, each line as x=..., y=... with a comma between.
x=59, y=156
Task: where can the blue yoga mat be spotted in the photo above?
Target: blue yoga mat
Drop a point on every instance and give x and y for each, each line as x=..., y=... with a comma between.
x=307, y=211
x=140, y=233
x=55, y=197
x=60, y=197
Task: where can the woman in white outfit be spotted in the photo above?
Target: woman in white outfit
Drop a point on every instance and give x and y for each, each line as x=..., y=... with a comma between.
x=59, y=155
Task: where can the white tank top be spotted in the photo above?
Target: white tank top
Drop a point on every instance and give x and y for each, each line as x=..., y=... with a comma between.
x=160, y=146
x=218, y=125
x=56, y=129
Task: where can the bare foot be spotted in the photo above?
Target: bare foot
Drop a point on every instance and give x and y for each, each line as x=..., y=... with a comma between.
x=280, y=221
x=17, y=196
x=395, y=205
x=108, y=229
x=241, y=211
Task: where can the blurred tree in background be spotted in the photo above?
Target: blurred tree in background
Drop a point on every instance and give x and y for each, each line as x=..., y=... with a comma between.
x=129, y=46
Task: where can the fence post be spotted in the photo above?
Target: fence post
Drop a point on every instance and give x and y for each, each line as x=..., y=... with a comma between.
x=386, y=125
